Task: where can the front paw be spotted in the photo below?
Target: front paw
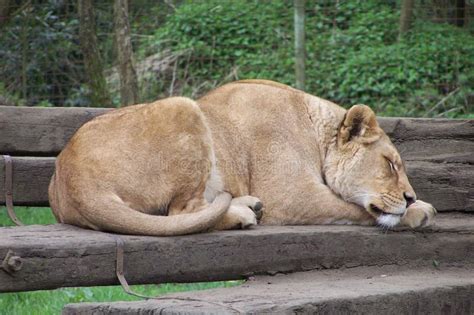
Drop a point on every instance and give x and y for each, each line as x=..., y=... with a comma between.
x=419, y=214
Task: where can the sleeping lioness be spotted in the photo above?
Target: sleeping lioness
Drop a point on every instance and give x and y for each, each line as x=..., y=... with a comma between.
x=177, y=166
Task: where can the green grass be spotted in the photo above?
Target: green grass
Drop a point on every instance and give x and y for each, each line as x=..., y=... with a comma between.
x=52, y=301
x=28, y=215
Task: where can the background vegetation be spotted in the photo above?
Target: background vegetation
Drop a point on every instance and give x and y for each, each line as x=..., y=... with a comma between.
x=189, y=47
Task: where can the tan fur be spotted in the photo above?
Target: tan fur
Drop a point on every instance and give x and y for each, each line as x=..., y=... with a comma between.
x=309, y=161
x=120, y=170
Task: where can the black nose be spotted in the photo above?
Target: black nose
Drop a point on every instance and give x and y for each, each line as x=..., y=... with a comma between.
x=409, y=198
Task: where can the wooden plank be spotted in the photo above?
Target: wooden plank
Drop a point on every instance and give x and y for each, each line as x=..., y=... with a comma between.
x=40, y=131
x=447, y=144
x=349, y=291
x=60, y=256
x=447, y=181
x=400, y=129
x=37, y=131
x=31, y=178
x=448, y=186
x=437, y=140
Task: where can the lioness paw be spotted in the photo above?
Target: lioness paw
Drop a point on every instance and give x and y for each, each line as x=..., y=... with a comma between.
x=419, y=214
x=251, y=202
x=237, y=217
x=247, y=219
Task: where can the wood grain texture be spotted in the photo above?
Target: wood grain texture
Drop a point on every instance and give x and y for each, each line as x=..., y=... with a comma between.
x=448, y=186
x=36, y=131
x=60, y=256
x=439, y=156
x=348, y=291
x=439, y=153
x=31, y=178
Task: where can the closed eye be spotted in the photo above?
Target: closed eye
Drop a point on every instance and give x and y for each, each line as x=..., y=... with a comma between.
x=393, y=168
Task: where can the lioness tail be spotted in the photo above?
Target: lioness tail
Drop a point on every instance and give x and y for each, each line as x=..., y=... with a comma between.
x=124, y=220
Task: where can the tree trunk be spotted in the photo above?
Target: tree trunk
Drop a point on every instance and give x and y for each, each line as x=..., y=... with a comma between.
x=90, y=51
x=460, y=9
x=24, y=55
x=405, y=17
x=127, y=73
x=300, y=43
x=5, y=8
x=467, y=15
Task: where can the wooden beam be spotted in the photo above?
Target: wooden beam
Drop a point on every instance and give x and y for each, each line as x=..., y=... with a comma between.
x=448, y=186
x=439, y=153
x=31, y=178
x=447, y=181
x=61, y=256
x=349, y=291
x=401, y=129
x=34, y=131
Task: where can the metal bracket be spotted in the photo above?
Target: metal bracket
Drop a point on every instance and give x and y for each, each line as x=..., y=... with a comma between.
x=119, y=269
x=119, y=272
x=11, y=263
x=9, y=190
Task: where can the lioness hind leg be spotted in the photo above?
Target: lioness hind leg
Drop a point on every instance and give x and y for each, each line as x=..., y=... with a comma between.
x=243, y=213
x=237, y=217
x=251, y=202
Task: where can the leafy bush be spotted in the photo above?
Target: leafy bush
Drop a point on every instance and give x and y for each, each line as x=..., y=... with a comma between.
x=411, y=76
x=353, y=55
x=40, y=53
x=221, y=36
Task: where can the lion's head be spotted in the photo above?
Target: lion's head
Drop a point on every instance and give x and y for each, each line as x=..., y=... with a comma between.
x=365, y=168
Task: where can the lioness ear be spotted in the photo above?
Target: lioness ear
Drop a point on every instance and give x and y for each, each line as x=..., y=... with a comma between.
x=359, y=124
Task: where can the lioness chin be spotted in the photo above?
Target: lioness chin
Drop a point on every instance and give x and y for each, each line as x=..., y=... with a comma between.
x=176, y=166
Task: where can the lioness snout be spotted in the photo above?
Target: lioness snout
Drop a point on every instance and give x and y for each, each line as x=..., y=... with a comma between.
x=410, y=199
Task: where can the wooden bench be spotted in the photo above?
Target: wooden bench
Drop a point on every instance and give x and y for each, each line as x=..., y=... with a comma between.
x=439, y=156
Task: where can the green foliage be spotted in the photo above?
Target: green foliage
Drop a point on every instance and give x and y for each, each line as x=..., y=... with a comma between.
x=52, y=302
x=39, y=57
x=220, y=36
x=352, y=48
x=10, y=98
x=353, y=55
x=40, y=53
x=411, y=76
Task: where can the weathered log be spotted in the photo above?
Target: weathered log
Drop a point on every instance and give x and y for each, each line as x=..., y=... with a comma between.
x=60, y=256
x=31, y=178
x=448, y=186
x=400, y=129
x=439, y=152
x=364, y=290
x=446, y=181
x=36, y=131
